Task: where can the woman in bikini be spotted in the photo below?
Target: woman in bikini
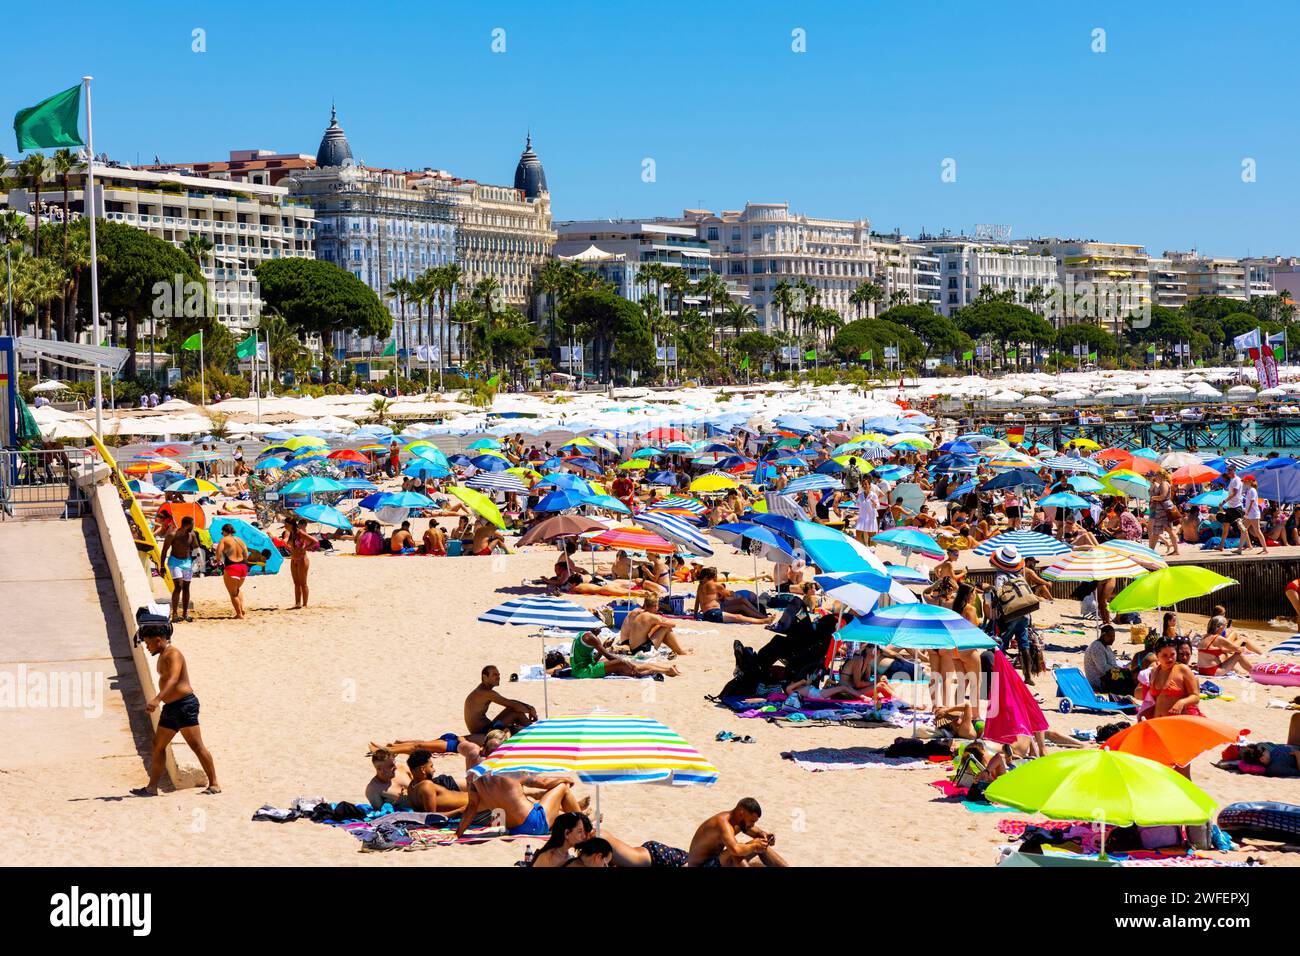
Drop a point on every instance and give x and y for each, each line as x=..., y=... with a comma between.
x=1174, y=688
x=300, y=542
x=234, y=557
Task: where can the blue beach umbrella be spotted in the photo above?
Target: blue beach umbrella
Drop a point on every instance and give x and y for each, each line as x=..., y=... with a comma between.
x=916, y=626
x=1064, y=499
x=324, y=514
x=255, y=538
x=560, y=500
x=1030, y=544
x=310, y=485
x=426, y=469
x=490, y=463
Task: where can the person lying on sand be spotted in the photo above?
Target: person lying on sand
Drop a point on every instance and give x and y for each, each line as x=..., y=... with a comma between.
x=424, y=795
x=448, y=743
x=513, y=715
x=589, y=659
x=390, y=782
x=524, y=816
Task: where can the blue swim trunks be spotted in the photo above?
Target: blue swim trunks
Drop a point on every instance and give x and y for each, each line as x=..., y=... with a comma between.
x=713, y=615
x=181, y=569
x=534, y=824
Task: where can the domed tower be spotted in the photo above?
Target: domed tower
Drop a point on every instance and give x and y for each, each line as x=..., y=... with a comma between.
x=530, y=178
x=334, y=149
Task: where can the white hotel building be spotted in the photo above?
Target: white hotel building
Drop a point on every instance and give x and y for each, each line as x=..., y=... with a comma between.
x=247, y=223
x=967, y=264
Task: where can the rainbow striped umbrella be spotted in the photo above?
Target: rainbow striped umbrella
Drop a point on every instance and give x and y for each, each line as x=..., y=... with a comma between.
x=634, y=539
x=601, y=749
x=1140, y=553
x=1096, y=564
x=680, y=503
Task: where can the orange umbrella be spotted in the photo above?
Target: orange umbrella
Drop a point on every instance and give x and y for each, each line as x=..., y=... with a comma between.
x=1194, y=475
x=1143, y=466
x=1118, y=455
x=634, y=539
x=1175, y=740
x=347, y=454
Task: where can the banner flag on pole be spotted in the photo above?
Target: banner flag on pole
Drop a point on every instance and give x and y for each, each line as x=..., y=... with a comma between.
x=810, y=355
x=50, y=123
x=389, y=349
x=866, y=355
x=967, y=356
x=193, y=343
x=744, y=363
x=247, y=348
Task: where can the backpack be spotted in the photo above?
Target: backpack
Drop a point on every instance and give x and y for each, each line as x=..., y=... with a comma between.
x=1016, y=599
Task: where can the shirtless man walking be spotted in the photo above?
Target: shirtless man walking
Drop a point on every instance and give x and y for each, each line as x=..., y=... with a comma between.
x=178, y=554
x=715, y=843
x=513, y=715
x=180, y=714
x=645, y=626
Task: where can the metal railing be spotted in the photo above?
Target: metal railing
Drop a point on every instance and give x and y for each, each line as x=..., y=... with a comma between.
x=42, y=483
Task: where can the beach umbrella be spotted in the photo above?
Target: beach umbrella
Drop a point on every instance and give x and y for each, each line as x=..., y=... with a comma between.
x=560, y=500
x=1117, y=456
x=1143, y=466
x=607, y=502
x=196, y=456
x=150, y=466
x=1180, y=459
x=433, y=454
x=1016, y=478
x=194, y=486
x=1096, y=564
x=909, y=541
x=1086, y=443
x=1085, y=484
x=1211, y=499
x=349, y=455
x=711, y=459
x=1075, y=465
x=680, y=503
x=713, y=482
x=1063, y=499
x=559, y=526
x=358, y=484
x=953, y=463
x=266, y=464
x=255, y=538
x=1139, y=553
x=958, y=447
x=916, y=626
x=479, y=503
x=601, y=749
x=490, y=463
x=754, y=538
x=892, y=472
x=310, y=485
x=139, y=486
x=1110, y=788
x=304, y=441
x=1167, y=587
x=1148, y=453
x=324, y=514
x=906, y=575
x=1289, y=646
x=397, y=499
x=1175, y=740
x=482, y=443
x=524, y=474
x=647, y=451
x=1278, y=479
x=425, y=469
x=1030, y=544
x=636, y=464
x=630, y=538
x=668, y=478
x=547, y=614
x=585, y=464
x=862, y=590
x=1196, y=474
x=506, y=484
x=812, y=483
x=1128, y=482
x=565, y=481
x=677, y=531
x=679, y=448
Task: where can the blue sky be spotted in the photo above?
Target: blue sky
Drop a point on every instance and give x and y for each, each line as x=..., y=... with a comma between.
x=1141, y=143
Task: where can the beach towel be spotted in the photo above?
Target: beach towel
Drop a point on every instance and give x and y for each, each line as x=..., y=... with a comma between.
x=1014, y=711
x=850, y=758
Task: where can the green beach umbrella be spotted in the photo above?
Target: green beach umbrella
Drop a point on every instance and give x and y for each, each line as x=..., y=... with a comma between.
x=636, y=464
x=1108, y=787
x=1167, y=587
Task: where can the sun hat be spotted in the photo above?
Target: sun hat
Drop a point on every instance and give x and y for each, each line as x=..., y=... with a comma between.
x=1007, y=558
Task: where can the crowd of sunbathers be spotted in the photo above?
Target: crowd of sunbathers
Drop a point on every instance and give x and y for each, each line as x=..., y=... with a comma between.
x=542, y=805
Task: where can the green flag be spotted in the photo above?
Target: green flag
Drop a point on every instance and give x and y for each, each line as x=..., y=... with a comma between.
x=1092, y=356
x=1200, y=363
x=866, y=355
x=810, y=355
x=744, y=363
x=493, y=380
x=1012, y=355
x=1279, y=353
x=193, y=343
x=51, y=122
x=247, y=348
x=389, y=349
x=1151, y=349
x=967, y=356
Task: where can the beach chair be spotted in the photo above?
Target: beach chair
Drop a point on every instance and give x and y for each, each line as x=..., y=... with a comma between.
x=1077, y=694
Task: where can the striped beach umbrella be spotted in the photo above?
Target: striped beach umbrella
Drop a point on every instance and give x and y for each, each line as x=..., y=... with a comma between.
x=630, y=538
x=194, y=486
x=1096, y=564
x=310, y=485
x=916, y=626
x=676, y=530
x=601, y=749
x=1030, y=544
x=538, y=611
x=1080, y=466
x=507, y=484
x=1140, y=553
x=814, y=482
x=680, y=503
x=1289, y=646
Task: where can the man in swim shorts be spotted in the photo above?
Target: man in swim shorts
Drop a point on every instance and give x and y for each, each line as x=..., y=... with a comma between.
x=178, y=554
x=715, y=843
x=523, y=816
x=180, y=714
x=513, y=715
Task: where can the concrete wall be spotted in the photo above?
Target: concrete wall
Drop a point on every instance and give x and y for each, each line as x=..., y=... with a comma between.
x=133, y=584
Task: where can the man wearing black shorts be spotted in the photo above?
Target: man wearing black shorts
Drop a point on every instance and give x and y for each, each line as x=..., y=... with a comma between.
x=180, y=714
x=1231, y=511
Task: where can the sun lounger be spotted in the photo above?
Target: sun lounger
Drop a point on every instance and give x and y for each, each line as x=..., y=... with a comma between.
x=1077, y=694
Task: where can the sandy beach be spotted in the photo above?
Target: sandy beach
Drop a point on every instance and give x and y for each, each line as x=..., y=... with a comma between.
x=390, y=647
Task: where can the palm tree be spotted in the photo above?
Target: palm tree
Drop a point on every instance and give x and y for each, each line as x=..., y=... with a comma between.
x=198, y=247
x=33, y=170
x=898, y=297
x=739, y=316
x=1035, y=297
x=283, y=347
x=13, y=234
x=449, y=277
x=552, y=280
x=783, y=296
x=402, y=289
x=865, y=296
x=65, y=160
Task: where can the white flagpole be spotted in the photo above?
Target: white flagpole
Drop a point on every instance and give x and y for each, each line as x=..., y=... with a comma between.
x=203, y=374
x=257, y=374
x=88, y=210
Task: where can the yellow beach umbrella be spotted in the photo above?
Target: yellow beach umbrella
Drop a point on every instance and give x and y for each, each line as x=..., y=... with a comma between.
x=707, y=483
x=1083, y=443
x=636, y=464
x=525, y=473
x=304, y=441
x=479, y=503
